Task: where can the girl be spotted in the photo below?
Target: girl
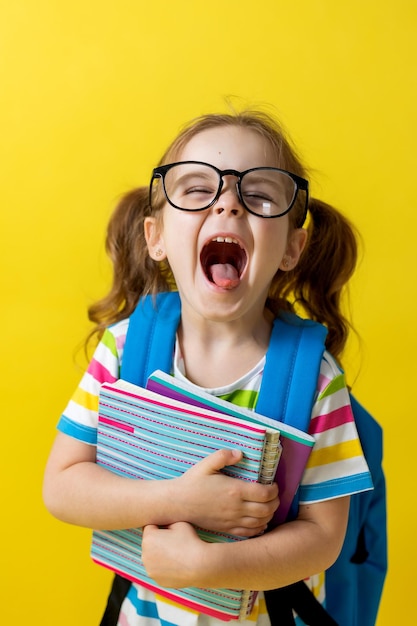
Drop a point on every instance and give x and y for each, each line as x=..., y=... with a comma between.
x=222, y=222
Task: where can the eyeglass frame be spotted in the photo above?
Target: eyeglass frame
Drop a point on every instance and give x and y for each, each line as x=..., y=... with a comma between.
x=300, y=183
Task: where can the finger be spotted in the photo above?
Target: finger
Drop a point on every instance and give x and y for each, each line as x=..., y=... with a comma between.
x=253, y=521
x=261, y=509
x=220, y=459
x=149, y=528
x=244, y=531
x=255, y=492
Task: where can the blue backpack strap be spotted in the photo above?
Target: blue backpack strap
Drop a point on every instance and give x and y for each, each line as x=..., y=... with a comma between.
x=292, y=367
x=289, y=381
x=150, y=338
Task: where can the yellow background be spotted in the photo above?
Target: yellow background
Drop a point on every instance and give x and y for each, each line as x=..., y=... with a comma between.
x=90, y=94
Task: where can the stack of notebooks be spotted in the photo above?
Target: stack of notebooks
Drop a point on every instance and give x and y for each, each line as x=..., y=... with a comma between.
x=159, y=433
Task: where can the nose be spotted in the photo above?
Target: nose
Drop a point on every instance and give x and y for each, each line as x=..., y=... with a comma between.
x=229, y=201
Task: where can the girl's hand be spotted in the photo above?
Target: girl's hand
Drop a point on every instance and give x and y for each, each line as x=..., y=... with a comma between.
x=212, y=500
x=173, y=555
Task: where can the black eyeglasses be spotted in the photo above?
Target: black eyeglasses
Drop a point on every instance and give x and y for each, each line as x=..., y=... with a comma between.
x=263, y=191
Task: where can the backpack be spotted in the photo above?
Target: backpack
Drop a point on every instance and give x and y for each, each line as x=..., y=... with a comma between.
x=354, y=583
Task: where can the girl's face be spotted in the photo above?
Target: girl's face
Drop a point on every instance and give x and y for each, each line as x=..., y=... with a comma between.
x=224, y=258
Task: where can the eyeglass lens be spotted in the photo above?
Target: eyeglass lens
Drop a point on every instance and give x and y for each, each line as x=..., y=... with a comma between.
x=193, y=187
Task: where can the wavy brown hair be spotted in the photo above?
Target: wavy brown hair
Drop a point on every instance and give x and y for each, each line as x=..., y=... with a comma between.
x=316, y=285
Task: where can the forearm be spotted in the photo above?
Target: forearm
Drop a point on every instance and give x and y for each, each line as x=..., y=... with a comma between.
x=78, y=491
x=176, y=557
x=286, y=555
x=87, y=495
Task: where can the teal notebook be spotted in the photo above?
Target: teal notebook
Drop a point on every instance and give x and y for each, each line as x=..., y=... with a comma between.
x=147, y=435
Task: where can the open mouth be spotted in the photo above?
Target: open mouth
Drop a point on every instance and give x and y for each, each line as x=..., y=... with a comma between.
x=223, y=261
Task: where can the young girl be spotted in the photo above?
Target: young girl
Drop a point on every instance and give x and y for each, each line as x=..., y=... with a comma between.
x=222, y=223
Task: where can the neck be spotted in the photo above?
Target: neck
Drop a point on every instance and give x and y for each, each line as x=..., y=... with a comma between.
x=218, y=353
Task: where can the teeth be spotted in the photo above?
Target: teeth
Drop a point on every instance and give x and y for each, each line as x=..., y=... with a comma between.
x=225, y=240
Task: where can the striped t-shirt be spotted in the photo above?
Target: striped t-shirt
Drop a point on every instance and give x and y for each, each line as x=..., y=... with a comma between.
x=336, y=466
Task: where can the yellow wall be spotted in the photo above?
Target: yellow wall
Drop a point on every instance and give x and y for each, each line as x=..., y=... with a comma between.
x=90, y=93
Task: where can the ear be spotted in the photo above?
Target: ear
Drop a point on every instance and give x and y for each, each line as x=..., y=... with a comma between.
x=154, y=239
x=297, y=240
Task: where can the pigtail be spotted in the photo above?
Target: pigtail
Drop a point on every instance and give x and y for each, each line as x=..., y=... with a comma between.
x=134, y=272
x=320, y=278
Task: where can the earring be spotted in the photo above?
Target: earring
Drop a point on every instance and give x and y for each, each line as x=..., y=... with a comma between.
x=286, y=262
x=159, y=252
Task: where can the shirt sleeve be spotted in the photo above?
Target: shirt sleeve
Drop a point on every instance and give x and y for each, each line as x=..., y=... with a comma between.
x=79, y=419
x=337, y=466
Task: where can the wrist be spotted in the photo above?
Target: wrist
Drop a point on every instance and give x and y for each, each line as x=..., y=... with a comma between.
x=156, y=502
x=211, y=565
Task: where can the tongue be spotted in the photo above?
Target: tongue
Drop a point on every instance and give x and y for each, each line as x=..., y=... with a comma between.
x=224, y=275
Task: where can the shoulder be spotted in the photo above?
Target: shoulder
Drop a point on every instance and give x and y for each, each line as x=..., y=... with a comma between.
x=118, y=330
x=329, y=372
x=105, y=363
x=114, y=338
x=79, y=419
x=336, y=466
x=332, y=407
